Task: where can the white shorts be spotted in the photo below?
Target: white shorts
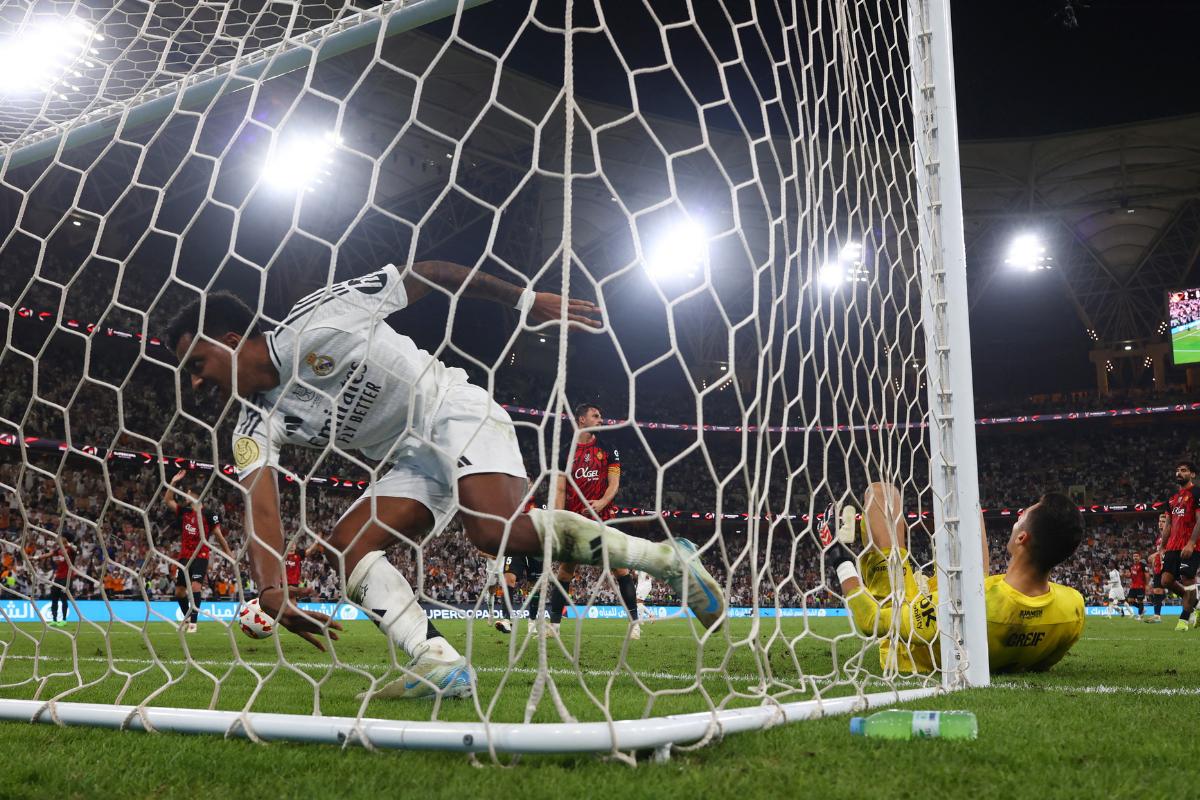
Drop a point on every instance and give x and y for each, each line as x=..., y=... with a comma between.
x=644, y=585
x=470, y=435
x=1116, y=595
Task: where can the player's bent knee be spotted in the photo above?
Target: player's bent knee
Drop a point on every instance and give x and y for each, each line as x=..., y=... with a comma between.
x=485, y=534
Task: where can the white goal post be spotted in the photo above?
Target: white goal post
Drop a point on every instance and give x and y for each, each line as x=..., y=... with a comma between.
x=766, y=208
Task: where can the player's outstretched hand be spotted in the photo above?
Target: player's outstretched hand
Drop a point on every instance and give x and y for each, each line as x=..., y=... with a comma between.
x=547, y=307
x=308, y=625
x=1187, y=550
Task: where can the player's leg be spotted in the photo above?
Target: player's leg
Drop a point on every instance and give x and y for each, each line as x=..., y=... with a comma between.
x=491, y=583
x=642, y=594
x=198, y=570
x=194, y=607
x=181, y=592
x=508, y=599
x=1187, y=575
x=1170, y=582
x=184, y=595
x=477, y=443
x=491, y=512
x=560, y=593
x=58, y=599
x=628, y=591
x=356, y=549
x=499, y=584
x=884, y=561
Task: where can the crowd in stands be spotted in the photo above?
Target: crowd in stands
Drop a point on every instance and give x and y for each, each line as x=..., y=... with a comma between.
x=1184, y=311
x=124, y=554
x=128, y=544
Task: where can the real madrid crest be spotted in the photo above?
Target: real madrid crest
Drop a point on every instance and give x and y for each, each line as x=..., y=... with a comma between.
x=321, y=365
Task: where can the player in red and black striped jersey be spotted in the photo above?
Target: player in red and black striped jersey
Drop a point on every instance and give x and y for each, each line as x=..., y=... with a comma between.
x=588, y=488
x=292, y=562
x=1180, y=559
x=196, y=529
x=61, y=557
x=1137, y=585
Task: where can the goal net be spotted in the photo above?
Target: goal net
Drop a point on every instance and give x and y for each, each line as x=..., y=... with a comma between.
x=760, y=198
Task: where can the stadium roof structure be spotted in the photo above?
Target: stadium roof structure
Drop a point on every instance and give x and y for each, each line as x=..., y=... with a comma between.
x=1119, y=207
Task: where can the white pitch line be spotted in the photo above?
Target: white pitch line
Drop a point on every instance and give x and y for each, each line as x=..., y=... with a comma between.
x=1101, y=689
x=316, y=665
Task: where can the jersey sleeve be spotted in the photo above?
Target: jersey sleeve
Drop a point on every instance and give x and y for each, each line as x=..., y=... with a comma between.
x=614, y=461
x=254, y=443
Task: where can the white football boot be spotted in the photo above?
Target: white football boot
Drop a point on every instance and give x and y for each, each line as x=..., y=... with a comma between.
x=431, y=672
x=692, y=582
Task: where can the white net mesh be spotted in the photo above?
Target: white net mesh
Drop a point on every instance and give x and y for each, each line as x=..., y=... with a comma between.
x=731, y=183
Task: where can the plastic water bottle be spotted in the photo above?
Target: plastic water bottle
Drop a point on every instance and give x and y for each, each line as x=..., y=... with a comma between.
x=897, y=724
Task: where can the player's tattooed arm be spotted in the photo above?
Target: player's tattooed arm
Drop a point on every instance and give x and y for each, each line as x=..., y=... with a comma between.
x=457, y=279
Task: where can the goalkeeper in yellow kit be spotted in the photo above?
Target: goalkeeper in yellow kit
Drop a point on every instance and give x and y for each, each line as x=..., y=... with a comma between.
x=1032, y=623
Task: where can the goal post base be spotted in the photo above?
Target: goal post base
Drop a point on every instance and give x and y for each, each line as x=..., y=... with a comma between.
x=465, y=737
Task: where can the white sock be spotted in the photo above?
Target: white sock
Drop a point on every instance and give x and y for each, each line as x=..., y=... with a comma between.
x=579, y=540
x=380, y=588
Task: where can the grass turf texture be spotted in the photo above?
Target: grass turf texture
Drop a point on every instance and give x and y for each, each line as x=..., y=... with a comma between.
x=1186, y=346
x=1079, y=729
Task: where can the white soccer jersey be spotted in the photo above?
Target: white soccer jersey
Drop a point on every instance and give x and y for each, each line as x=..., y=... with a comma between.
x=345, y=378
x=1114, y=581
x=644, y=584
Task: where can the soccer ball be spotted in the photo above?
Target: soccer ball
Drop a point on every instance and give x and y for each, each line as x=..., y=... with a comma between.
x=254, y=622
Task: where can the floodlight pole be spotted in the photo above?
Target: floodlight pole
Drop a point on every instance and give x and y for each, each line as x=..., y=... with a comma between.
x=958, y=538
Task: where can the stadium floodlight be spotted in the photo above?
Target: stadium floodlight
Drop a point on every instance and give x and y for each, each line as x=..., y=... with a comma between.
x=1028, y=253
x=847, y=268
x=40, y=57
x=682, y=250
x=300, y=162
x=832, y=274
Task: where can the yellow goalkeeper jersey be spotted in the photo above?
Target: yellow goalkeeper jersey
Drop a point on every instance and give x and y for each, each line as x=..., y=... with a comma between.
x=1030, y=633
x=1024, y=633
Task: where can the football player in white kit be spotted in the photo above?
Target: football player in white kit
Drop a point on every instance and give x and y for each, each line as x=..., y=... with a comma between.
x=333, y=373
x=644, y=586
x=1116, y=594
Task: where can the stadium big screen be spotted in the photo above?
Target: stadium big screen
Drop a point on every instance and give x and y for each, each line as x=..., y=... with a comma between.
x=1183, y=309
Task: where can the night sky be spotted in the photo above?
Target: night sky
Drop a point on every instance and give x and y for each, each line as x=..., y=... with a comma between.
x=1022, y=71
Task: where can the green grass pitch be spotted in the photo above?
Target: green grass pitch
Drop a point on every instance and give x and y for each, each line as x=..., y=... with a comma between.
x=1186, y=346
x=1095, y=726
